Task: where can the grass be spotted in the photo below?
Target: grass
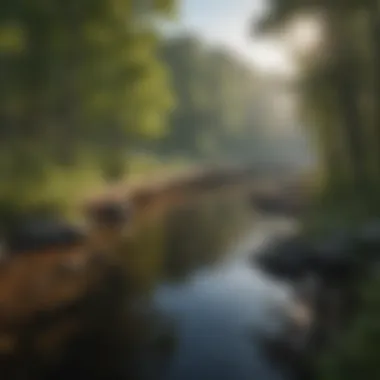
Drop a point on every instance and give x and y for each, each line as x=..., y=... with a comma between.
x=65, y=189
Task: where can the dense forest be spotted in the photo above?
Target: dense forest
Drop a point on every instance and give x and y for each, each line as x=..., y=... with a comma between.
x=339, y=91
x=80, y=80
x=338, y=84
x=87, y=85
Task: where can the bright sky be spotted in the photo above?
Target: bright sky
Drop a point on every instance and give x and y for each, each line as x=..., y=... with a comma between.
x=227, y=22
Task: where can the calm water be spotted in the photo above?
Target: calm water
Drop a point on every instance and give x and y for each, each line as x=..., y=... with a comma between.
x=185, y=303
x=217, y=307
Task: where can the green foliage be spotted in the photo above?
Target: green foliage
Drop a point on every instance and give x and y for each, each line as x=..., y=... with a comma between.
x=77, y=77
x=220, y=102
x=340, y=95
x=340, y=99
x=76, y=70
x=356, y=355
x=92, y=79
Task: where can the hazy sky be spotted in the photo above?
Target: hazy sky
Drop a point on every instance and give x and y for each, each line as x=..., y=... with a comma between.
x=227, y=22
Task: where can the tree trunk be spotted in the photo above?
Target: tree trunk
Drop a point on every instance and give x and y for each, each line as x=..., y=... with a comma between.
x=374, y=25
x=344, y=77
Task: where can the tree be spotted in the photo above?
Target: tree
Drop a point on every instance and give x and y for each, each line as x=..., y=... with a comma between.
x=341, y=96
x=78, y=78
x=342, y=76
x=222, y=110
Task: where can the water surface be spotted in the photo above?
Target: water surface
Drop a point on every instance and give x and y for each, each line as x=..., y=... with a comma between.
x=219, y=307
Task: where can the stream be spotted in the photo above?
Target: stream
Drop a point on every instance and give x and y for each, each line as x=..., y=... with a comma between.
x=217, y=306
x=185, y=301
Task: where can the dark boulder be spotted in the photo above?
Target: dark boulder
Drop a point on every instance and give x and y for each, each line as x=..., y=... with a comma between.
x=333, y=259
x=281, y=204
x=287, y=257
x=109, y=213
x=36, y=234
x=367, y=241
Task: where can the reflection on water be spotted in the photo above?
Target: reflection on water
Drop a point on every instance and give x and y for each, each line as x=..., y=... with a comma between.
x=197, y=234
x=183, y=304
x=221, y=307
x=221, y=315
x=186, y=238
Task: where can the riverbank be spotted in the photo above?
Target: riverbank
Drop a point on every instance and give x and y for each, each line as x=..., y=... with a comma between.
x=51, y=297
x=65, y=189
x=40, y=289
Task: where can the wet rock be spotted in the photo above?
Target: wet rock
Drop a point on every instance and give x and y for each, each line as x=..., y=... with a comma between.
x=276, y=204
x=287, y=258
x=367, y=241
x=332, y=259
x=110, y=213
x=35, y=234
x=267, y=203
